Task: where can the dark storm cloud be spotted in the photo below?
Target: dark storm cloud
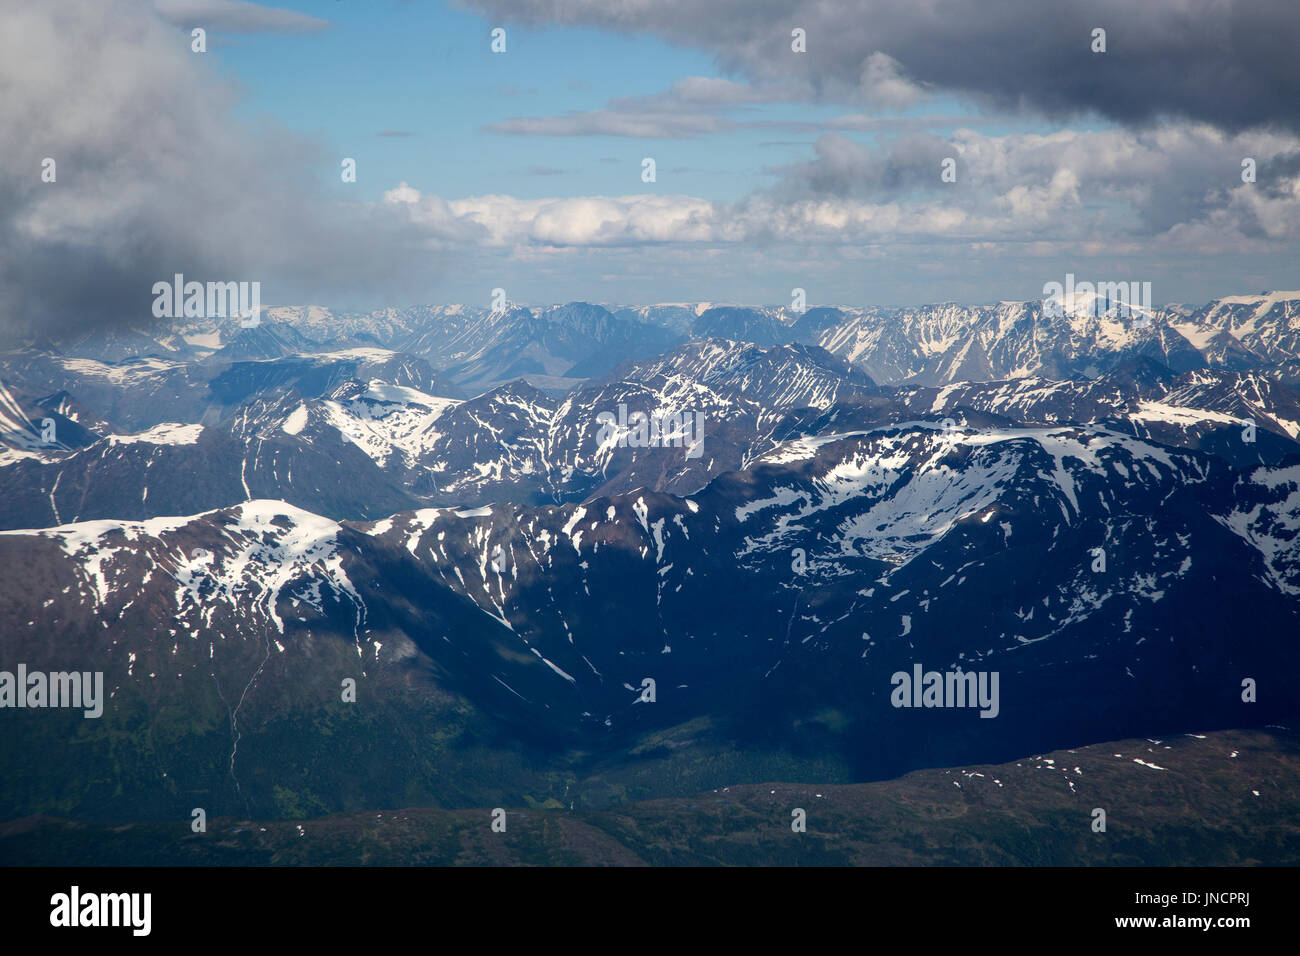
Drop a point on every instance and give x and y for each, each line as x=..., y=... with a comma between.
x=155, y=177
x=843, y=167
x=1230, y=64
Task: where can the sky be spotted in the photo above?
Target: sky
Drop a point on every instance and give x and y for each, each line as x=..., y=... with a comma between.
x=776, y=167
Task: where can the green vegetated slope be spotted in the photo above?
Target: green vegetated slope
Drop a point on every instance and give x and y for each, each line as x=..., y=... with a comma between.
x=1223, y=798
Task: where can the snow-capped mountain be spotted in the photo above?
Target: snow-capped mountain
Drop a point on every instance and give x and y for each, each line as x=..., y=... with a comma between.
x=176, y=468
x=313, y=375
x=949, y=343
x=759, y=326
x=1198, y=409
x=364, y=412
x=945, y=344
x=19, y=436
x=784, y=376
x=554, y=346
x=501, y=524
x=133, y=394
x=843, y=558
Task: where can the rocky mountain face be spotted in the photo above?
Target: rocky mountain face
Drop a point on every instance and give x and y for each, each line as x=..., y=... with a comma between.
x=598, y=554
x=950, y=343
x=844, y=559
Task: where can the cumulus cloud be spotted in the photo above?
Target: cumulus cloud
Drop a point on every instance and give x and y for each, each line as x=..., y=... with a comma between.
x=1165, y=186
x=1138, y=182
x=574, y=221
x=155, y=176
x=1229, y=64
x=884, y=86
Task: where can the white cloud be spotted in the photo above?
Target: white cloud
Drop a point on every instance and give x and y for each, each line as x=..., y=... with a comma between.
x=1065, y=189
x=156, y=174
x=575, y=221
x=237, y=16
x=884, y=86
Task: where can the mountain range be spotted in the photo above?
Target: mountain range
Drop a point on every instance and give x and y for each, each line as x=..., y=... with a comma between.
x=536, y=607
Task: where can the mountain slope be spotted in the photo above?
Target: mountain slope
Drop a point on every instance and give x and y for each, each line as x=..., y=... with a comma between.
x=775, y=604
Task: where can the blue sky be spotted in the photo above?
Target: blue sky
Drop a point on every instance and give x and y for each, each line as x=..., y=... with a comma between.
x=776, y=168
x=426, y=69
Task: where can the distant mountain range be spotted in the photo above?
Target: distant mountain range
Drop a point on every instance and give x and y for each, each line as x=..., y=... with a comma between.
x=232, y=522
